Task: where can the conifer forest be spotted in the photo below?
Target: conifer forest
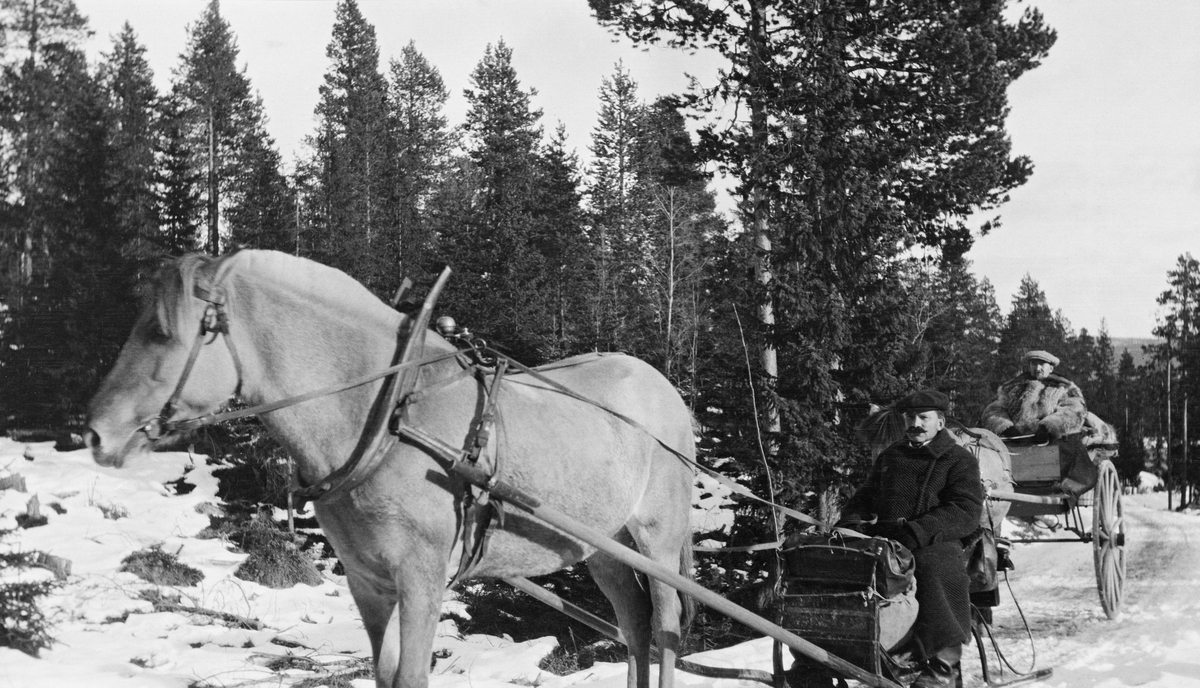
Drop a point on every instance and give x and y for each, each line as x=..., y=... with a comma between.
x=861, y=140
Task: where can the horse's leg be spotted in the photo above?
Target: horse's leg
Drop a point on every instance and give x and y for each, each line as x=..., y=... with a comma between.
x=630, y=601
x=380, y=618
x=664, y=535
x=401, y=627
x=420, y=606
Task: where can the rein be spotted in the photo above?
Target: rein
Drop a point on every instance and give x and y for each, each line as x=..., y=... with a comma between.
x=734, y=487
x=215, y=321
x=213, y=418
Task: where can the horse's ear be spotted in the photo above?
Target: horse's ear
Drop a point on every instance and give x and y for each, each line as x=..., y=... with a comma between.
x=882, y=428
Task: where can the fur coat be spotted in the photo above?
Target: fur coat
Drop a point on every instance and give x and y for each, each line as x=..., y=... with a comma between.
x=1026, y=403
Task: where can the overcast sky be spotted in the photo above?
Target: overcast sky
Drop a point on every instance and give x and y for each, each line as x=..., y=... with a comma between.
x=1110, y=119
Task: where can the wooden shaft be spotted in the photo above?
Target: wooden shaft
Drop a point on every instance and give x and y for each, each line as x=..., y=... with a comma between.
x=656, y=570
x=1026, y=499
x=548, y=598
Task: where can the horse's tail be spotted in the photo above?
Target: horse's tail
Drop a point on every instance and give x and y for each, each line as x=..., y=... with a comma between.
x=688, y=605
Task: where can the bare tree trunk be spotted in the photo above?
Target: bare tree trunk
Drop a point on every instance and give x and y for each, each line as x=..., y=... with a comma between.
x=762, y=240
x=1170, y=468
x=671, y=229
x=214, y=238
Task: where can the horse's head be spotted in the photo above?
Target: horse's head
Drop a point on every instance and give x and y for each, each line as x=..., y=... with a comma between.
x=127, y=414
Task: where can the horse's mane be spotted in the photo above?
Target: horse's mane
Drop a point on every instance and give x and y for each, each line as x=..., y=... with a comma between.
x=172, y=288
x=882, y=428
x=170, y=291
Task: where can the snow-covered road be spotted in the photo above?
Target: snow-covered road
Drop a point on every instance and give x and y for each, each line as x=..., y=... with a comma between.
x=1155, y=641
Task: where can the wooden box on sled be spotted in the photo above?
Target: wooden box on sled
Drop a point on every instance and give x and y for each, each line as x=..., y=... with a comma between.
x=829, y=599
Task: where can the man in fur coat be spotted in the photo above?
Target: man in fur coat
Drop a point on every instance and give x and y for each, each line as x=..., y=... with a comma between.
x=1037, y=402
x=926, y=494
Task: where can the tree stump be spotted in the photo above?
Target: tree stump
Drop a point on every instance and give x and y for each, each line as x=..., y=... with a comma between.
x=61, y=567
x=14, y=481
x=32, y=518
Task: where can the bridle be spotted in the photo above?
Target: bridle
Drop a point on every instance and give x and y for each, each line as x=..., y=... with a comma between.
x=214, y=321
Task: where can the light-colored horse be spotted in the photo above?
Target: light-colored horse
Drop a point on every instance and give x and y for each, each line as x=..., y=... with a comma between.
x=296, y=326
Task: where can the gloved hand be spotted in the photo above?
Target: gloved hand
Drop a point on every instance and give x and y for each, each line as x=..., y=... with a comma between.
x=1011, y=431
x=900, y=532
x=853, y=521
x=1042, y=435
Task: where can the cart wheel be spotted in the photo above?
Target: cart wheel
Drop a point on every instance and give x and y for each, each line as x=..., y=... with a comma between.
x=1108, y=540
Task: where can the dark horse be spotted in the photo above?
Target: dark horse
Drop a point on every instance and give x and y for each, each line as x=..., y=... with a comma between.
x=297, y=326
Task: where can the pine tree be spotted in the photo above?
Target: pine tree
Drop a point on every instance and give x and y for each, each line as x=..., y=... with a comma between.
x=614, y=177
x=1031, y=325
x=262, y=208
x=1100, y=385
x=219, y=108
x=1135, y=419
x=353, y=157
x=39, y=54
x=181, y=184
x=491, y=244
x=423, y=143
x=134, y=139
x=952, y=331
x=557, y=235
x=1179, y=325
x=68, y=309
x=676, y=218
x=861, y=132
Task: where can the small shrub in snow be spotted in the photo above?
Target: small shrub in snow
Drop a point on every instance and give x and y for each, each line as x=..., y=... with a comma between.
x=23, y=626
x=113, y=511
x=160, y=568
x=275, y=558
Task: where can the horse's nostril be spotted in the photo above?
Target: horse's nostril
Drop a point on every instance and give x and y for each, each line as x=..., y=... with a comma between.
x=91, y=438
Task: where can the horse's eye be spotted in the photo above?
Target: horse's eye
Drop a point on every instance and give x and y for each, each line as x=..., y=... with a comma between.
x=156, y=333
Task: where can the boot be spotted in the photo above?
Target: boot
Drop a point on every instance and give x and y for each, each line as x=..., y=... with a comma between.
x=807, y=677
x=941, y=670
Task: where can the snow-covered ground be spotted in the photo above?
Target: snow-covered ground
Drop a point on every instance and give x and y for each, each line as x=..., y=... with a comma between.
x=107, y=636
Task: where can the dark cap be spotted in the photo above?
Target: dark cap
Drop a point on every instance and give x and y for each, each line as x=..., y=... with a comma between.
x=924, y=400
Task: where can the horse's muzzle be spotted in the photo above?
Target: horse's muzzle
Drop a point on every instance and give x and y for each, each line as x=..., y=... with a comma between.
x=100, y=454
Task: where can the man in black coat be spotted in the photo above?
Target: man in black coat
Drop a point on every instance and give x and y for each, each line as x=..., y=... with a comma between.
x=926, y=494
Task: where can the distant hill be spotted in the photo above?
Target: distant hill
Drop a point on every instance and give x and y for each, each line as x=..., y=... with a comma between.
x=1134, y=346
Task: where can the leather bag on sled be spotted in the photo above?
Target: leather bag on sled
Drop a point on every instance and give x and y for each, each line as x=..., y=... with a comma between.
x=827, y=553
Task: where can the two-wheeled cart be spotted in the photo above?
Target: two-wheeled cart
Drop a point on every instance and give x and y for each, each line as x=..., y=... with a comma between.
x=1048, y=485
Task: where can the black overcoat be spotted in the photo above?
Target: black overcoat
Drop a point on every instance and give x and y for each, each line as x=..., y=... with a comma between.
x=935, y=490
